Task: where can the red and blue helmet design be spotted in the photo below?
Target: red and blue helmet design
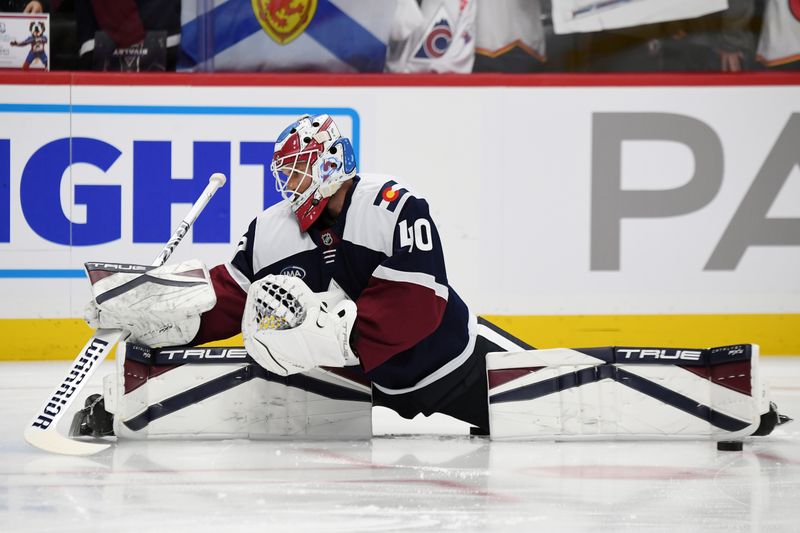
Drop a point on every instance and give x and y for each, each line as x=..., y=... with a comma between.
x=310, y=163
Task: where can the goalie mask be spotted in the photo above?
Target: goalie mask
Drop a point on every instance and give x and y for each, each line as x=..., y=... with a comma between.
x=310, y=163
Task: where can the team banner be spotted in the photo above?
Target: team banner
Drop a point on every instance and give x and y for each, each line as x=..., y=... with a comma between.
x=571, y=16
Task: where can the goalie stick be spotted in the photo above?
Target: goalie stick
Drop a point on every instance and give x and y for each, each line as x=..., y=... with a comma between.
x=42, y=432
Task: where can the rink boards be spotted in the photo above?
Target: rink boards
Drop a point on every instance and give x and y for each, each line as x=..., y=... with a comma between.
x=575, y=211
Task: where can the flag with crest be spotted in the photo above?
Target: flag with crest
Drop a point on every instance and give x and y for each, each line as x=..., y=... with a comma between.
x=285, y=35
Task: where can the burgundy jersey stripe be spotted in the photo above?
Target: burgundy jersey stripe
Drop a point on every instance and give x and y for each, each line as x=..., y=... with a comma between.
x=394, y=316
x=224, y=320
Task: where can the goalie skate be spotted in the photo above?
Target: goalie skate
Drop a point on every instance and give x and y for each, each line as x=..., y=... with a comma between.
x=93, y=420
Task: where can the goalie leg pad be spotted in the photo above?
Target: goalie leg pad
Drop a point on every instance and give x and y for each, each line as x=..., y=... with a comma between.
x=207, y=393
x=626, y=393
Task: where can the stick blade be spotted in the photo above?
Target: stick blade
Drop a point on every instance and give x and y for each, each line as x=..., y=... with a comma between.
x=52, y=441
x=42, y=432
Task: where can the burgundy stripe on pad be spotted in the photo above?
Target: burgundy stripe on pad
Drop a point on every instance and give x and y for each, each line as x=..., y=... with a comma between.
x=196, y=273
x=137, y=374
x=500, y=377
x=734, y=375
x=97, y=275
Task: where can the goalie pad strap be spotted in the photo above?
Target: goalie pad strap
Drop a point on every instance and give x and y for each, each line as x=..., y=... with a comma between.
x=660, y=356
x=195, y=356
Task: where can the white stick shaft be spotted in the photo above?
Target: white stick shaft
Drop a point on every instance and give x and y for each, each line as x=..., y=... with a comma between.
x=214, y=183
x=42, y=432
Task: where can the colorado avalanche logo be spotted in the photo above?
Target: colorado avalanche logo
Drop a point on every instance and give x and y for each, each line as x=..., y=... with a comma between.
x=794, y=7
x=328, y=167
x=437, y=40
x=284, y=20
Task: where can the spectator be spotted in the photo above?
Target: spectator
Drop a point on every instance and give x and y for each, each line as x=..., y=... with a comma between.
x=437, y=36
x=24, y=6
x=128, y=35
x=721, y=41
x=779, y=41
x=510, y=36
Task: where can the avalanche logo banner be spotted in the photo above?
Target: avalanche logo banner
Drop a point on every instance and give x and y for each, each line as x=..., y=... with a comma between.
x=284, y=20
x=437, y=39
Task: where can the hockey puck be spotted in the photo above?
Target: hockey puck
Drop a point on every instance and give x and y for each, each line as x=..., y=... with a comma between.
x=730, y=445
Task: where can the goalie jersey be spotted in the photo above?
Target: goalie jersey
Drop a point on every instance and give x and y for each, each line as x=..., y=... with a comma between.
x=384, y=252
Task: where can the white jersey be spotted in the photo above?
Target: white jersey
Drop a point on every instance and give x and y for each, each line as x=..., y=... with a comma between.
x=594, y=15
x=442, y=38
x=780, y=34
x=503, y=25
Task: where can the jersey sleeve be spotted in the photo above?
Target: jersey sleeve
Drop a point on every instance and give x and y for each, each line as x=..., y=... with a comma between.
x=406, y=297
x=231, y=282
x=243, y=258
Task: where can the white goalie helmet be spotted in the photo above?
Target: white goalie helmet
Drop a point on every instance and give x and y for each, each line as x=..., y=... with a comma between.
x=313, y=148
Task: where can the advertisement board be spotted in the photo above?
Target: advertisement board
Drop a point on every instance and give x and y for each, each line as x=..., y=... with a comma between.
x=574, y=214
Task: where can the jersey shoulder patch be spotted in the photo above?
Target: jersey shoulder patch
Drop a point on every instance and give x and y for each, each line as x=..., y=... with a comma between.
x=390, y=195
x=385, y=192
x=376, y=203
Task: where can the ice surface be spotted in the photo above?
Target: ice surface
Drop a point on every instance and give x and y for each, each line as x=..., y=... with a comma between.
x=421, y=475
